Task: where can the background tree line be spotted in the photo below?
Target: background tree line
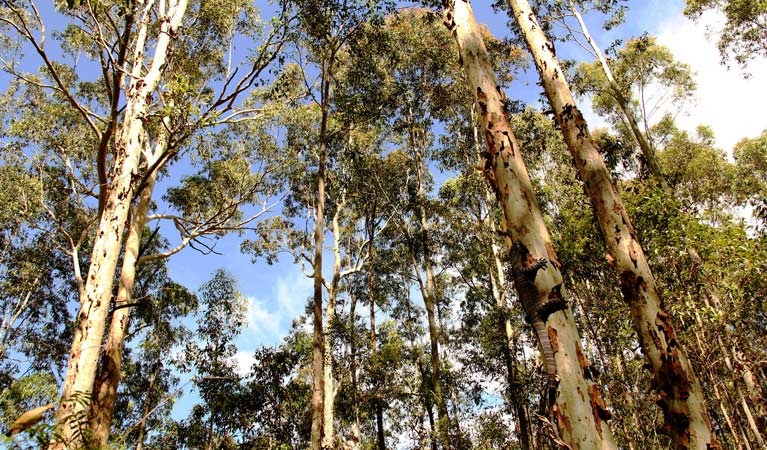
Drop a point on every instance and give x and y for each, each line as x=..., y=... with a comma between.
x=485, y=274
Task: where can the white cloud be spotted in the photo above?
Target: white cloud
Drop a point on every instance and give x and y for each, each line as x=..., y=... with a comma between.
x=245, y=361
x=292, y=291
x=262, y=321
x=271, y=313
x=726, y=101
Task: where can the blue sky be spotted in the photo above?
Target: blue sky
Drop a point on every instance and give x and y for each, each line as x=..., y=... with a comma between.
x=277, y=294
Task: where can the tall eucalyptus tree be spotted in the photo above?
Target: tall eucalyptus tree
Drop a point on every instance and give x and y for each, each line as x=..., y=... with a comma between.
x=115, y=195
x=326, y=28
x=581, y=419
x=679, y=391
x=130, y=130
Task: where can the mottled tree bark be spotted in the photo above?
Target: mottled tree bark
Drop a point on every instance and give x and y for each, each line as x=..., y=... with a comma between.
x=71, y=416
x=674, y=381
x=576, y=403
x=109, y=374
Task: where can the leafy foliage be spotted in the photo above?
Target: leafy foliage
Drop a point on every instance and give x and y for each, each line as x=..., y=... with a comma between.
x=379, y=90
x=744, y=35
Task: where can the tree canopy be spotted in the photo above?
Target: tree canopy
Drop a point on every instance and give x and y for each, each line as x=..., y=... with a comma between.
x=426, y=241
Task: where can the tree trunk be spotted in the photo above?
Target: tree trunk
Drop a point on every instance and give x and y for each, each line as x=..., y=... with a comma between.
x=109, y=375
x=516, y=400
x=380, y=436
x=74, y=406
x=145, y=411
x=370, y=230
x=749, y=380
x=317, y=340
x=356, y=437
x=429, y=299
x=329, y=393
x=576, y=403
x=457, y=437
x=425, y=394
x=644, y=144
x=678, y=390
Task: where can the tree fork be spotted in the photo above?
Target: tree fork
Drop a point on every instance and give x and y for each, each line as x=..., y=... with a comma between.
x=76, y=397
x=678, y=390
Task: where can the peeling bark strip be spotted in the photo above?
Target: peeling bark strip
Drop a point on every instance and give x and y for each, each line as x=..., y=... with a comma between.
x=71, y=416
x=678, y=390
x=535, y=268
